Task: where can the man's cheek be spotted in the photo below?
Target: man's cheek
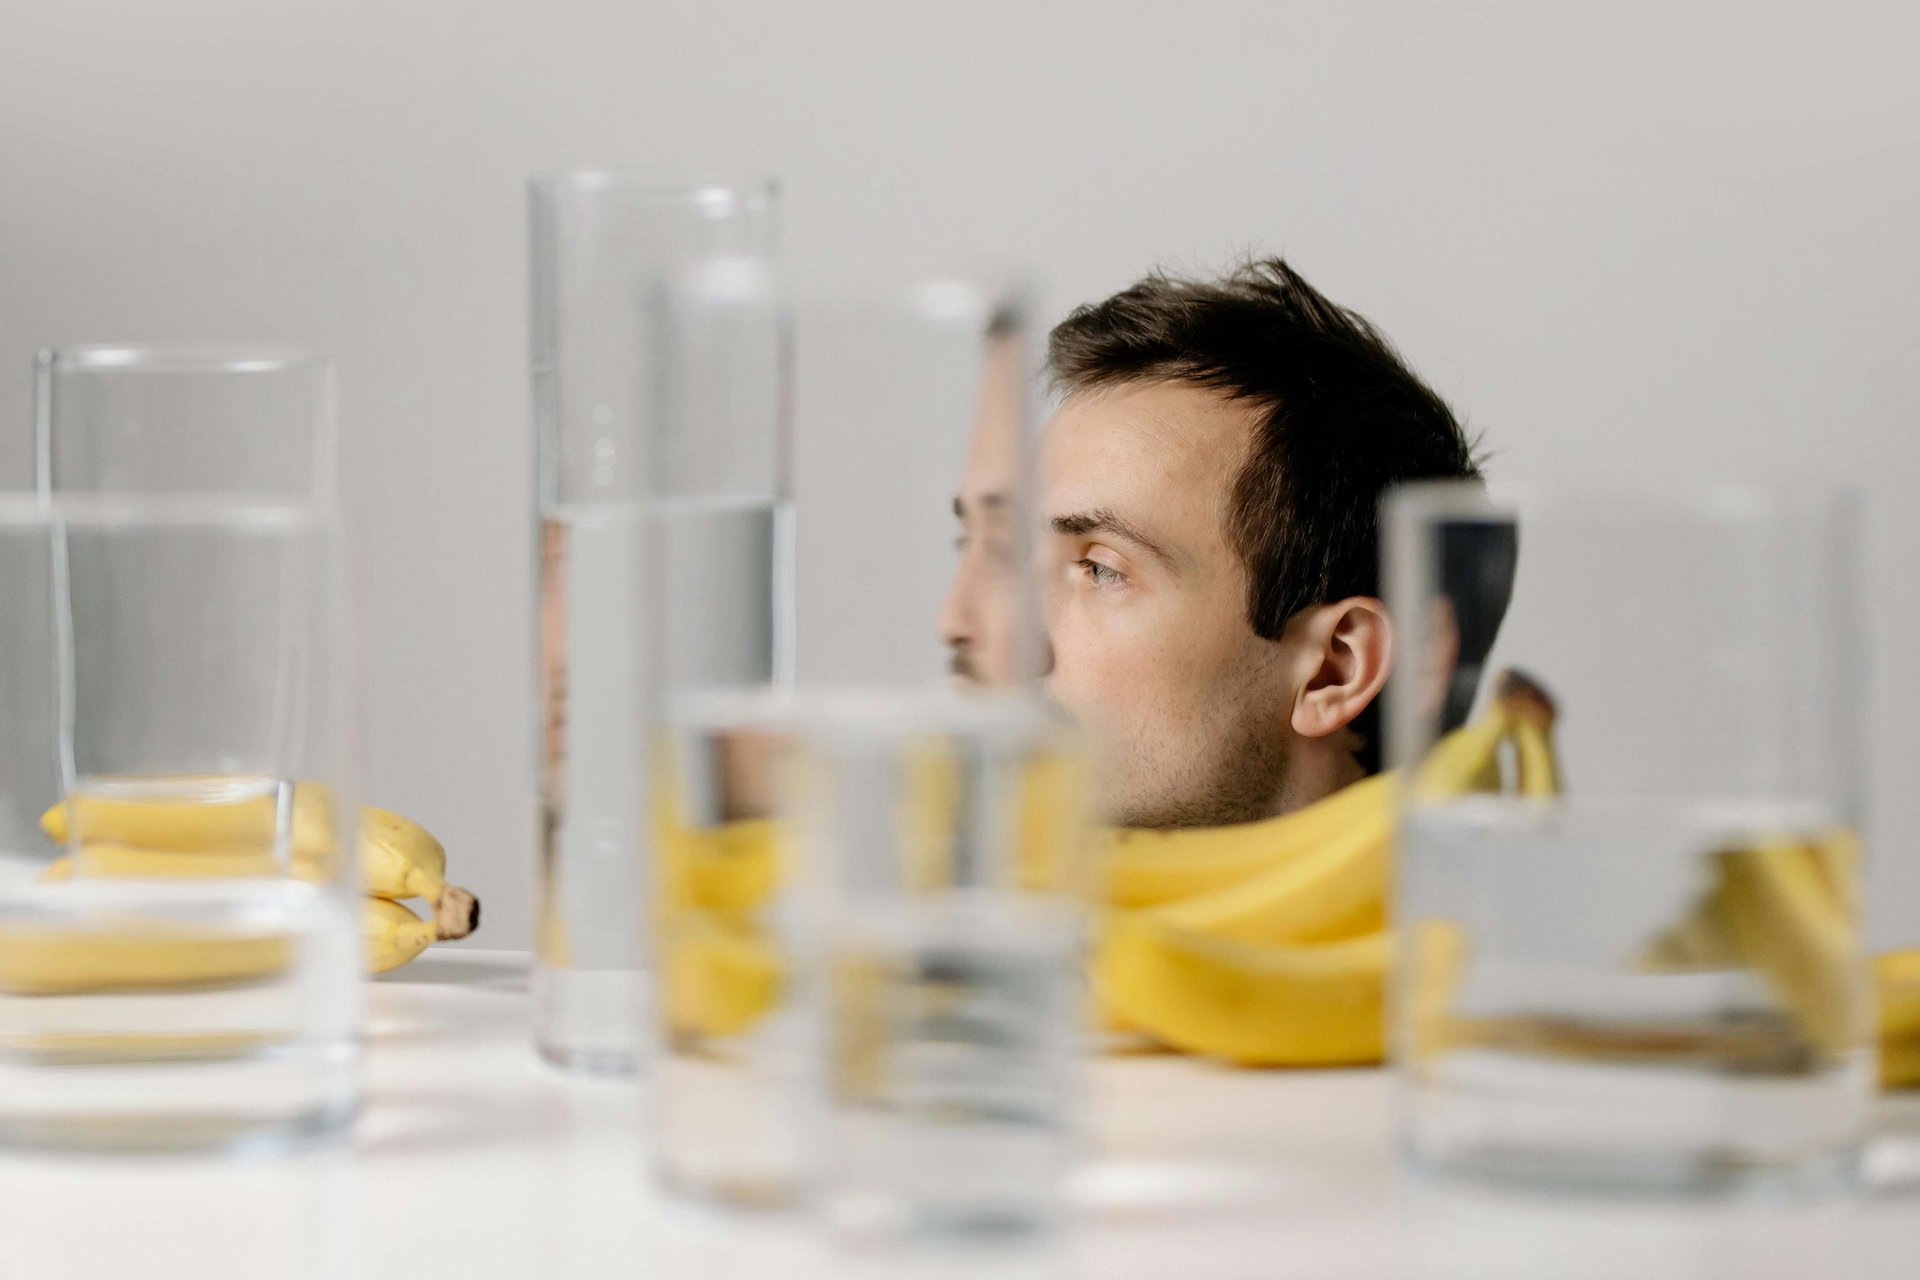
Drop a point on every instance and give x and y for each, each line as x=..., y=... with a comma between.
x=1097, y=675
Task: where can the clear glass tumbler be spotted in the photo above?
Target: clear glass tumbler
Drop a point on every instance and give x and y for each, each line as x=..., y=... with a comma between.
x=947, y=833
x=912, y=391
x=1641, y=966
x=180, y=951
x=664, y=540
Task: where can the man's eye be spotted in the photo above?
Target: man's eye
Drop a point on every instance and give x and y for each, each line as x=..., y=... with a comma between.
x=1102, y=575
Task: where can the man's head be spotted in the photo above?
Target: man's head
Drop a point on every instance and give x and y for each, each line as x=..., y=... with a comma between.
x=1211, y=480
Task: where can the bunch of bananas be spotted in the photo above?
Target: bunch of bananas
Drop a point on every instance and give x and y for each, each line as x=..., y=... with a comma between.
x=1266, y=944
x=398, y=859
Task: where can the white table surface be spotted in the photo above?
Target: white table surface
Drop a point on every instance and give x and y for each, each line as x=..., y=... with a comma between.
x=475, y=1160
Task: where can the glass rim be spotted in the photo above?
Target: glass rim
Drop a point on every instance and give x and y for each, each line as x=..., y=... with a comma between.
x=100, y=900
x=133, y=511
x=863, y=713
x=179, y=357
x=665, y=186
x=1717, y=499
x=983, y=291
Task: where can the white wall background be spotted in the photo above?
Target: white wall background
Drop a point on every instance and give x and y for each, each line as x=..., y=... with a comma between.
x=1623, y=236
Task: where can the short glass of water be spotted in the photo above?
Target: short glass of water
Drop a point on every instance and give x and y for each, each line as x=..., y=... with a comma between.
x=1634, y=961
x=946, y=833
x=179, y=920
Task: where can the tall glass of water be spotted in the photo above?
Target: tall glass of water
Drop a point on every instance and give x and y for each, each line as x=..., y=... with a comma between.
x=179, y=950
x=661, y=497
x=1643, y=968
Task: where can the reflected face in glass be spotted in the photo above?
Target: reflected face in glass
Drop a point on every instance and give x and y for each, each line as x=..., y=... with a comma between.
x=1146, y=606
x=979, y=620
x=980, y=615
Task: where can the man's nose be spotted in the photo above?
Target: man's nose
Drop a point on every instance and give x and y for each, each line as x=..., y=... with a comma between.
x=956, y=611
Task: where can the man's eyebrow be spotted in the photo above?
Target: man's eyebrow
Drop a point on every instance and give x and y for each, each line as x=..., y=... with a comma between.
x=1103, y=520
x=984, y=501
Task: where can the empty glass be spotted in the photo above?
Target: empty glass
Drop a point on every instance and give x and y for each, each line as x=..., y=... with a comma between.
x=185, y=418
x=659, y=398
x=1645, y=969
x=179, y=951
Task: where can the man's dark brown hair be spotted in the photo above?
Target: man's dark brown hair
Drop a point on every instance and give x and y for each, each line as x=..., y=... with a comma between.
x=1341, y=418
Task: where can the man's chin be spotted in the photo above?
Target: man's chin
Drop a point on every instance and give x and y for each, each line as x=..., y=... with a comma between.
x=1179, y=812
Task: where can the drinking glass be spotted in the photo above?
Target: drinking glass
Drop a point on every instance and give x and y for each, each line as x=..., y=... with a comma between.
x=912, y=393
x=665, y=532
x=1644, y=969
x=185, y=418
x=179, y=953
x=948, y=835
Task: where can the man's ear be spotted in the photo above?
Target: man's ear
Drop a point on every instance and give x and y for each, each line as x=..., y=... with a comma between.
x=1346, y=651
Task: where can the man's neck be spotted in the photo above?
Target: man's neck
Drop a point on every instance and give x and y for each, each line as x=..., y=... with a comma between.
x=1317, y=772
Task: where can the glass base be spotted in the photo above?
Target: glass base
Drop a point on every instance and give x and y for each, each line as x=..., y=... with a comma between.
x=588, y=1020
x=1832, y=1175
x=1570, y=1123
x=265, y=1102
x=750, y=1193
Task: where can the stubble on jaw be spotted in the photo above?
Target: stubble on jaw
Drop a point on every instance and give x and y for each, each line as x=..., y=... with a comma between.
x=1227, y=763
x=1240, y=777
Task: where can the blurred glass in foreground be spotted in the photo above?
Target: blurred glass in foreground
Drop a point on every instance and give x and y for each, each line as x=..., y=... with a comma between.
x=1645, y=969
x=187, y=975
x=727, y=909
x=950, y=835
x=864, y=1005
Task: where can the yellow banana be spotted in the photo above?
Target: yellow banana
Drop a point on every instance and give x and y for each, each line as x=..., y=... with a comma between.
x=721, y=977
x=1282, y=959
x=392, y=934
x=246, y=824
x=1787, y=925
x=1702, y=941
x=1300, y=899
x=398, y=857
x=44, y=961
x=1898, y=975
x=1459, y=760
x=1250, y=1004
x=1338, y=887
x=1441, y=950
x=732, y=869
x=1900, y=1064
x=41, y=961
x=1149, y=868
x=126, y=861
x=1836, y=856
x=1531, y=712
x=1533, y=755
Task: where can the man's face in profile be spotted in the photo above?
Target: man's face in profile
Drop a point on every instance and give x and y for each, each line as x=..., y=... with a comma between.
x=1145, y=600
x=980, y=618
